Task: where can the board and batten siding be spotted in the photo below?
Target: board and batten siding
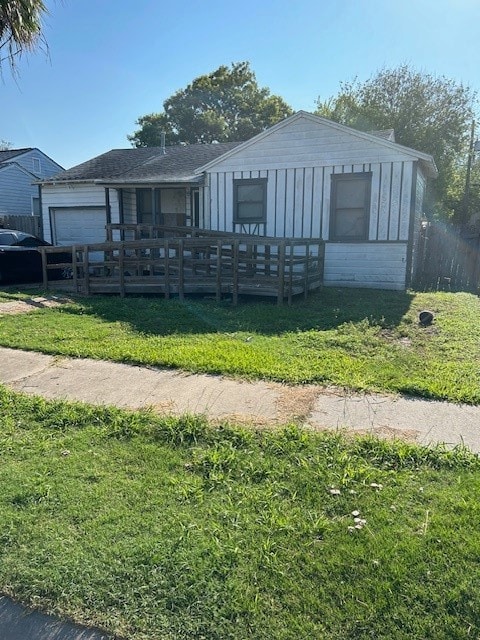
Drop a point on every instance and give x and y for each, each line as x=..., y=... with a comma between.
x=298, y=200
x=298, y=161
x=78, y=196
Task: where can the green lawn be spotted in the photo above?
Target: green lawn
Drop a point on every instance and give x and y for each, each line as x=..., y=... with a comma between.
x=360, y=339
x=165, y=528
x=10, y=296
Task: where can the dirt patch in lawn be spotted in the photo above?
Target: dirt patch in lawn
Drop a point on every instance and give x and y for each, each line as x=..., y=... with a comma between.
x=31, y=304
x=296, y=403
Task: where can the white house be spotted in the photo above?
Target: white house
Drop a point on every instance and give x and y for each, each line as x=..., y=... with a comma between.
x=305, y=177
x=19, y=170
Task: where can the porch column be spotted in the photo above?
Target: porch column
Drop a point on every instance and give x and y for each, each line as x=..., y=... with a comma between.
x=154, y=213
x=108, y=212
x=107, y=206
x=121, y=212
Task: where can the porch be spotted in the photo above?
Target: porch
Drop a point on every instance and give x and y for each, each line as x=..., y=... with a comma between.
x=167, y=204
x=177, y=261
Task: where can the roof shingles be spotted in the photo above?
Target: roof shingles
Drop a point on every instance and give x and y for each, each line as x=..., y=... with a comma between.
x=146, y=164
x=8, y=154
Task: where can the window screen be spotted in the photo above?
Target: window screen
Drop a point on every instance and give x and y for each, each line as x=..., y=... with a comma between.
x=250, y=200
x=350, y=206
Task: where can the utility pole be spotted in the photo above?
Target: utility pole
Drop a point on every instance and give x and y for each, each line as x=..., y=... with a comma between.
x=466, y=193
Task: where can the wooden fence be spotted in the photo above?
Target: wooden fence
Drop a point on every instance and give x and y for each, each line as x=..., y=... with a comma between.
x=448, y=258
x=28, y=224
x=219, y=265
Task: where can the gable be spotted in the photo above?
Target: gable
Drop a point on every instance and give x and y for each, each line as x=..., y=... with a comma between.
x=16, y=189
x=307, y=140
x=18, y=169
x=32, y=160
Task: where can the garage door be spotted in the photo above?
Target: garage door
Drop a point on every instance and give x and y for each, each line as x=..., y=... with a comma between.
x=74, y=225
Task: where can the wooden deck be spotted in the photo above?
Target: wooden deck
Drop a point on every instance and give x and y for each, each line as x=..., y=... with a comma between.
x=216, y=264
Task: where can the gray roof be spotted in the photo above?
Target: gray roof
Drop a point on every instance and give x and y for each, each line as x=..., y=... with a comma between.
x=8, y=154
x=145, y=164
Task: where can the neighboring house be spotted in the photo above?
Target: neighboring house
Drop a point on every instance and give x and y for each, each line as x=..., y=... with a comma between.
x=19, y=170
x=304, y=177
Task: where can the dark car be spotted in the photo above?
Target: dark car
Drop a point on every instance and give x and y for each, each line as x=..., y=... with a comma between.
x=20, y=260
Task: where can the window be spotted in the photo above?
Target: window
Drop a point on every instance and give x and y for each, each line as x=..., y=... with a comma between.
x=161, y=206
x=35, y=206
x=144, y=206
x=250, y=200
x=37, y=169
x=350, y=207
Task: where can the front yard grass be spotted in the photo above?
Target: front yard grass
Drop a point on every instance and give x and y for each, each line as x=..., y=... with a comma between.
x=11, y=296
x=359, y=339
x=167, y=528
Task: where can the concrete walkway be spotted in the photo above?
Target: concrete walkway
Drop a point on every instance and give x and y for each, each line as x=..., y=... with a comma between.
x=19, y=623
x=256, y=403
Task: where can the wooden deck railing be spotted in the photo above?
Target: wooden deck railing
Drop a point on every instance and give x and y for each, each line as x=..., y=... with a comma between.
x=125, y=232
x=222, y=264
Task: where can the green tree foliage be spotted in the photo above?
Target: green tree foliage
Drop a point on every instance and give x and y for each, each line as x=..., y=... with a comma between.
x=20, y=27
x=225, y=105
x=462, y=194
x=431, y=114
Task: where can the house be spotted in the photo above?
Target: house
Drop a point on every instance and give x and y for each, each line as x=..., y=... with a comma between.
x=19, y=170
x=305, y=177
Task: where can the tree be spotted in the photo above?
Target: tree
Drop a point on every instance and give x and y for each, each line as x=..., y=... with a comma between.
x=20, y=27
x=4, y=145
x=431, y=114
x=225, y=105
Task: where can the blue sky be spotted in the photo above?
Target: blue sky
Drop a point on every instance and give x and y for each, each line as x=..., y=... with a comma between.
x=111, y=61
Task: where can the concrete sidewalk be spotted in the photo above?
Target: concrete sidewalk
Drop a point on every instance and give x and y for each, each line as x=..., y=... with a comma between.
x=19, y=623
x=258, y=403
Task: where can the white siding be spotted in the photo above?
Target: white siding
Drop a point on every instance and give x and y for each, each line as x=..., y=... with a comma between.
x=69, y=195
x=298, y=161
x=276, y=219
x=298, y=200
x=289, y=204
x=375, y=265
x=384, y=206
x=307, y=143
x=129, y=206
x=394, y=218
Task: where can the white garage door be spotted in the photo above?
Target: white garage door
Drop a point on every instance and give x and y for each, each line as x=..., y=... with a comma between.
x=73, y=225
